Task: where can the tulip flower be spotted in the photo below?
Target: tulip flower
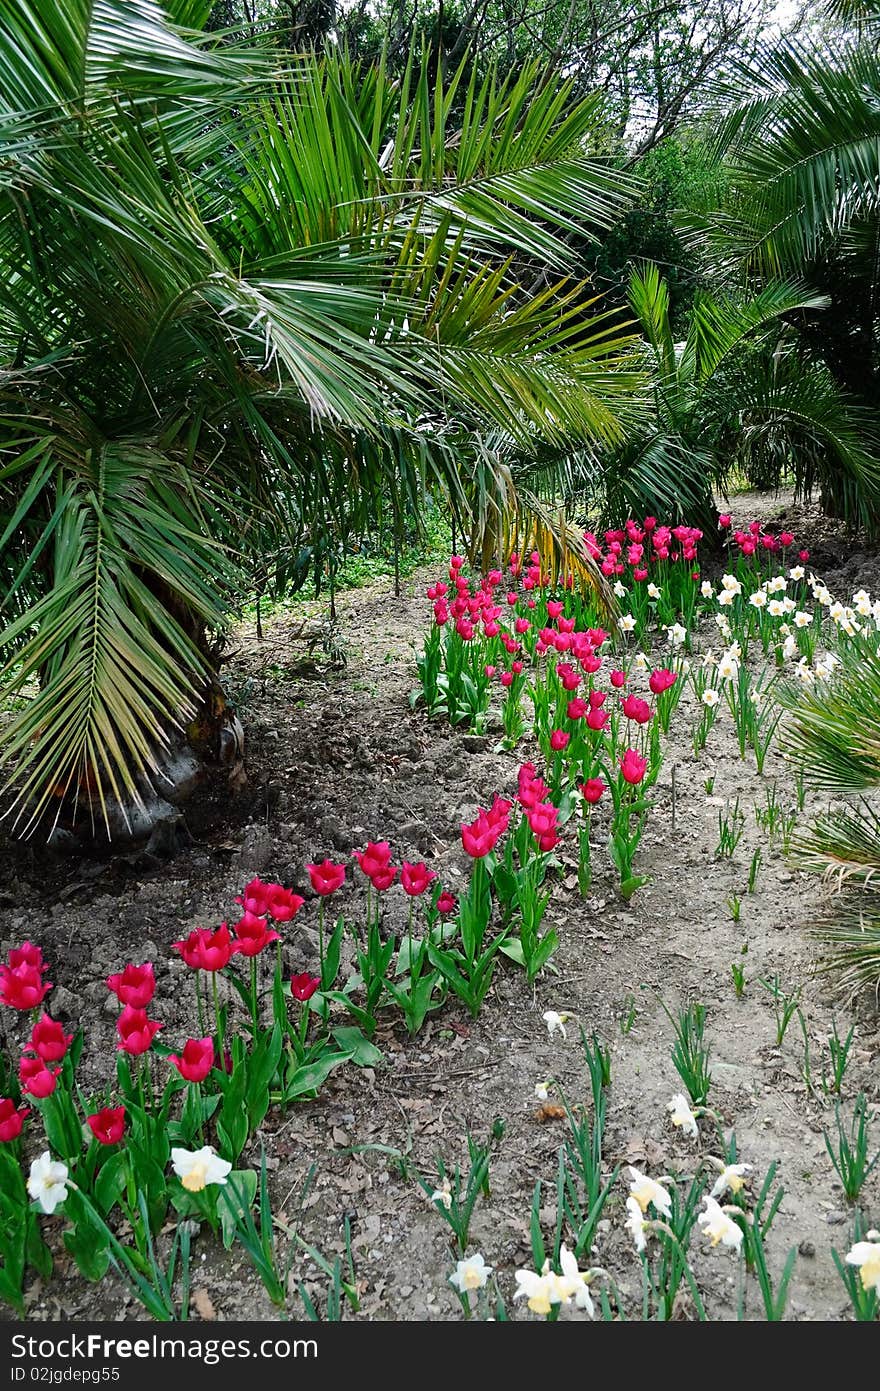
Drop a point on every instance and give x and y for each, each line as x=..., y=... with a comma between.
x=136, y=1031
x=384, y=878
x=48, y=1040
x=107, y=1125
x=447, y=903
x=375, y=858
x=633, y=767
x=196, y=1060
x=558, y=740
x=415, y=879
x=196, y=1169
x=252, y=936
x=577, y=708
x=12, y=1119
x=135, y=985
x=661, y=680
x=303, y=986
x=283, y=904
x=22, y=986
x=204, y=950
x=326, y=877
x=47, y=1182
x=636, y=709
x=28, y=954
x=592, y=790
x=36, y=1078
x=617, y=679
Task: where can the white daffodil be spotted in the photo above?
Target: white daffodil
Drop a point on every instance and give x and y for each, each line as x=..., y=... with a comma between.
x=789, y=647
x=47, y=1182
x=536, y=1289
x=730, y=584
x=706, y=589
x=718, y=1227
x=776, y=585
x=635, y=1224
x=803, y=672
x=443, y=1194
x=837, y=611
x=723, y=624
x=577, y=1280
x=862, y=602
x=541, y=1092
x=471, y=1274
x=776, y=608
x=640, y=662
x=731, y=1179
x=555, y=1022
x=784, y=630
x=758, y=600
x=646, y=1190
x=653, y=591
x=626, y=622
x=682, y=1116
x=619, y=589
x=726, y=597
x=796, y=572
x=728, y=667
x=788, y=604
x=677, y=634
x=822, y=596
x=196, y=1169
x=802, y=619
x=866, y=1255
x=710, y=697
x=709, y=659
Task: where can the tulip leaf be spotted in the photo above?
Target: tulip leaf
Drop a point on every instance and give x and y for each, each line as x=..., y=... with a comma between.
x=110, y=1181
x=358, y=1048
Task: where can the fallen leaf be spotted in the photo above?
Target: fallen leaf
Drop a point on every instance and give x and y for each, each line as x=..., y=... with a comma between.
x=549, y=1113
x=201, y=1302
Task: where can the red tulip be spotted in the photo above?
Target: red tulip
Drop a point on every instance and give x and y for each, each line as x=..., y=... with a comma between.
x=618, y=679
x=415, y=879
x=48, y=1040
x=577, y=708
x=283, y=904
x=661, y=680
x=542, y=820
x=252, y=935
x=636, y=709
x=136, y=1031
x=446, y=903
x=28, y=954
x=633, y=767
x=481, y=836
x=383, y=878
x=597, y=718
x=36, y=1078
x=375, y=858
x=803, y=555
x=22, y=986
x=303, y=987
x=11, y=1119
x=204, y=950
x=554, y=608
x=196, y=1060
x=326, y=877
x=135, y=985
x=107, y=1125
x=724, y=520
x=558, y=740
x=592, y=790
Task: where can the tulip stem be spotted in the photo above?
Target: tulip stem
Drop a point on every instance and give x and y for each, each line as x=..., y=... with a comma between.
x=218, y=1018
x=199, y=1005
x=254, y=1002
x=321, y=938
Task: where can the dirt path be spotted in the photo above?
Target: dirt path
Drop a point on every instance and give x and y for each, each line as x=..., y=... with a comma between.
x=337, y=757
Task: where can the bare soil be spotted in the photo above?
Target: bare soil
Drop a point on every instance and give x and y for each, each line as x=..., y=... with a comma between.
x=336, y=756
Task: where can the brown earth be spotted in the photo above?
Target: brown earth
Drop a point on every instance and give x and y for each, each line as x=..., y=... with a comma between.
x=335, y=757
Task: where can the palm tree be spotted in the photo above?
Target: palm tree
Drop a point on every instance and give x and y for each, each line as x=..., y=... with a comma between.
x=238, y=301
x=803, y=202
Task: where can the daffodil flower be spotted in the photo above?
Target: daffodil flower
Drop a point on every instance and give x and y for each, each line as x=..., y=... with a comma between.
x=676, y=634
x=578, y=1280
x=646, y=1190
x=758, y=600
x=626, y=623
x=710, y=697
x=471, y=1274
x=796, y=572
x=681, y=1115
x=47, y=1182
x=730, y=584
x=866, y=1255
x=443, y=1194
x=731, y=1179
x=541, y=1092
x=555, y=1022
x=653, y=591
x=636, y=1225
x=196, y=1169
x=536, y=1289
x=719, y=1227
